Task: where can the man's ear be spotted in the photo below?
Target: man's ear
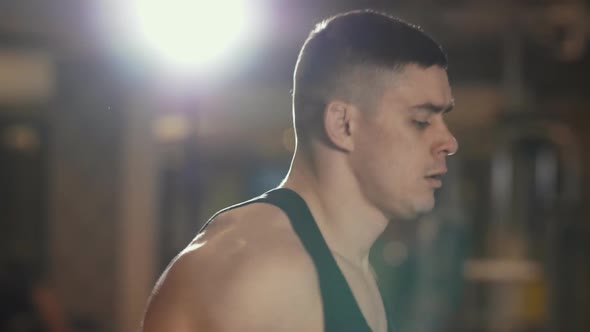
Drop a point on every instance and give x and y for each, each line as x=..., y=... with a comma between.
x=339, y=123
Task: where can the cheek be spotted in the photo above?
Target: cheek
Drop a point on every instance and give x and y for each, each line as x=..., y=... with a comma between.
x=389, y=153
x=373, y=159
x=407, y=163
x=387, y=163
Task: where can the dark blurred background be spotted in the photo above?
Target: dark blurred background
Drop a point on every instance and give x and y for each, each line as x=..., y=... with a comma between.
x=118, y=140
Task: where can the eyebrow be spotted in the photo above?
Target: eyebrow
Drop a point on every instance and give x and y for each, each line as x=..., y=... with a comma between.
x=434, y=108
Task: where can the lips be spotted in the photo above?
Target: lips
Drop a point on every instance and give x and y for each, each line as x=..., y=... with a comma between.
x=437, y=172
x=435, y=178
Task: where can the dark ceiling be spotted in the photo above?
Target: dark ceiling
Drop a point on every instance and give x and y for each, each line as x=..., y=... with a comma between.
x=473, y=32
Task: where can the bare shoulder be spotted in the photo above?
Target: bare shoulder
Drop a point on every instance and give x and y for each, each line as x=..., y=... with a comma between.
x=247, y=271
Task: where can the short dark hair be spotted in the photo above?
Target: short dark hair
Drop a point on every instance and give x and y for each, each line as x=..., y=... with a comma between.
x=344, y=56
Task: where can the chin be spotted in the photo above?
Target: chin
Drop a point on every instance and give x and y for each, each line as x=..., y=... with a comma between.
x=415, y=210
x=423, y=207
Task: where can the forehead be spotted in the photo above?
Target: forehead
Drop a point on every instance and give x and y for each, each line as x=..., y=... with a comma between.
x=415, y=85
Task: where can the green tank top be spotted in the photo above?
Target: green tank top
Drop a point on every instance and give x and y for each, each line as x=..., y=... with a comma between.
x=341, y=311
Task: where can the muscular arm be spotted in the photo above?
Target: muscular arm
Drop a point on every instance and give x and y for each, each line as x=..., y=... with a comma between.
x=233, y=285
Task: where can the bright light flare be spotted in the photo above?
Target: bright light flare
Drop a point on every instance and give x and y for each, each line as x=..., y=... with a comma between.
x=191, y=32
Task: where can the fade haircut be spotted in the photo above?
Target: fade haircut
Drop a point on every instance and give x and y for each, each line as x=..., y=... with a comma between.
x=348, y=57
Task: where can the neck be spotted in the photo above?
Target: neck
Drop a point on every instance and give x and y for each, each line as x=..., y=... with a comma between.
x=348, y=222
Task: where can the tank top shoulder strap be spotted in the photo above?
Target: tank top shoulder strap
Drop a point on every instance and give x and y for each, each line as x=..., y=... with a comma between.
x=341, y=311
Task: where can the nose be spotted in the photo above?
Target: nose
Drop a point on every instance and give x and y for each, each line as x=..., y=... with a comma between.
x=448, y=144
x=453, y=146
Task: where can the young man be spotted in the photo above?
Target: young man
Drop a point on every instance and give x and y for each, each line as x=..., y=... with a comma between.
x=370, y=92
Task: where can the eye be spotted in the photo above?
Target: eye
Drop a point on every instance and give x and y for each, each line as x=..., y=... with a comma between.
x=421, y=124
